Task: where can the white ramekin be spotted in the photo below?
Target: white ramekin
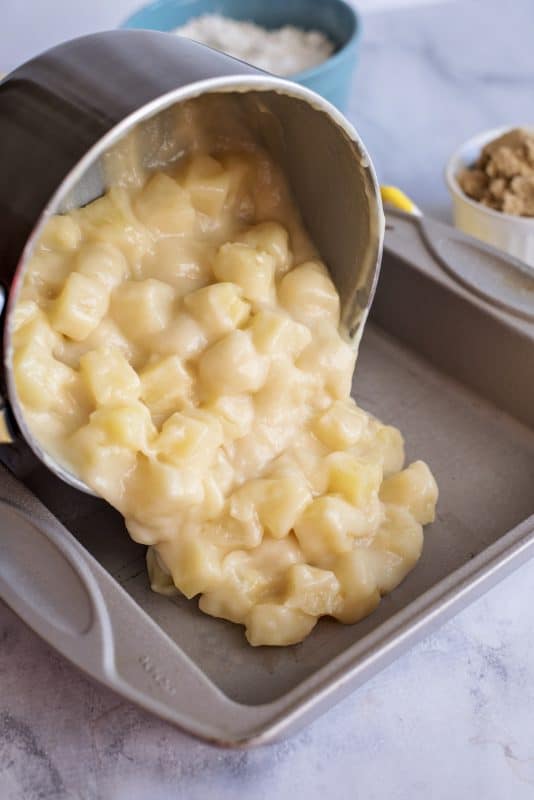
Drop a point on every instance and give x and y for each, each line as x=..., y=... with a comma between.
x=513, y=234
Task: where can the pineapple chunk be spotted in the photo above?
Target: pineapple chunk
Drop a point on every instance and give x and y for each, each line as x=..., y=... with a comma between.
x=127, y=426
x=180, y=262
x=388, y=568
x=328, y=526
x=110, y=378
x=43, y=383
x=107, y=336
x=232, y=366
x=164, y=206
x=143, y=308
x=158, y=489
x=22, y=313
x=111, y=210
x=208, y=184
x=110, y=220
x=273, y=624
x=214, y=499
x=396, y=548
x=271, y=238
x=218, y=308
x=283, y=396
x=195, y=565
x=359, y=591
x=312, y=590
x=236, y=414
x=330, y=357
x=253, y=271
x=81, y=305
x=62, y=233
x=309, y=295
x=400, y=533
x=103, y=467
x=243, y=503
x=275, y=333
x=235, y=534
x=277, y=502
x=184, y=337
x=241, y=169
x=33, y=329
x=166, y=385
x=261, y=569
x=46, y=273
x=358, y=481
x=222, y=471
x=103, y=262
x=341, y=426
x=225, y=603
x=389, y=443
x=190, y=438
x=415, y=489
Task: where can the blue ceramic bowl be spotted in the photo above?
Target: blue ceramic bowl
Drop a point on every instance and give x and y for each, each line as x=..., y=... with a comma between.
x=335, y=18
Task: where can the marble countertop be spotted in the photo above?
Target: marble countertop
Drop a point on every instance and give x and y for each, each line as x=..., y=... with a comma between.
x=454, y=717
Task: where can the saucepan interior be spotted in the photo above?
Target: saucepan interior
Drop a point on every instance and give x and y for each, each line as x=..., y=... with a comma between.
x=328, y=168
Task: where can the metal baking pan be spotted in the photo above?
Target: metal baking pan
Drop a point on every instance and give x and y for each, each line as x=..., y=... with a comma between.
x=455, y=373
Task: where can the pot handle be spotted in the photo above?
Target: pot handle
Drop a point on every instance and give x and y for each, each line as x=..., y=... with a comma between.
x=57, y=588
x=44, y=580
x=493, y=275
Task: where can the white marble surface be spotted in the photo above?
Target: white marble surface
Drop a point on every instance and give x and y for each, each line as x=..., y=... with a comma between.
x=34, y=25
x=454, y=718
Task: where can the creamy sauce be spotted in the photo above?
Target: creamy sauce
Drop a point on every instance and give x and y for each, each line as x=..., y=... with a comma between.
x=177, y=345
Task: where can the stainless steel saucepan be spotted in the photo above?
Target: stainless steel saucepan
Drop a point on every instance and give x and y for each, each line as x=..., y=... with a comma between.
x=62, y=113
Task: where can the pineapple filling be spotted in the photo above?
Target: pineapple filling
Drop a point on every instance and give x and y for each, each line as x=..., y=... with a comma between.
x=176, y=344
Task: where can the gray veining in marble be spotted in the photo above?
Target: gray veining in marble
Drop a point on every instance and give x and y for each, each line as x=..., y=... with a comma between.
x=431, y=78
x=454, y=718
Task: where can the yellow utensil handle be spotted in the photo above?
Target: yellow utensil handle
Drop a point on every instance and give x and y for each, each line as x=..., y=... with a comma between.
x=393, y=196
